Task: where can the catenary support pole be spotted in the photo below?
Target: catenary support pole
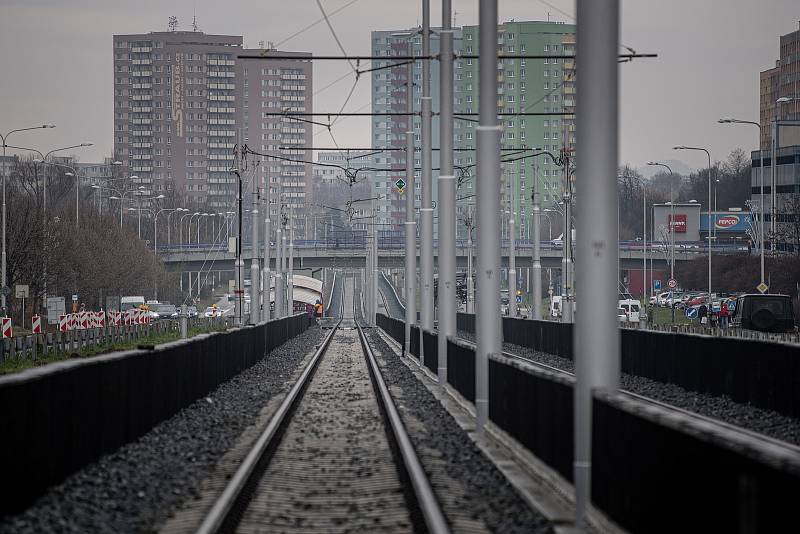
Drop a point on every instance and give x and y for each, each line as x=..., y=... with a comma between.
x=255, y=268
x=597, y=362
x=410, y=224
x=512, y=252
x=239, y=263
x=426, y=212
x=375, y=273
x=488, y=327
x=290, y=293
x=267, y=273
x=470, y=263
x=279, y=269
x=287, y=310
x=447, y=196
x=536, y=308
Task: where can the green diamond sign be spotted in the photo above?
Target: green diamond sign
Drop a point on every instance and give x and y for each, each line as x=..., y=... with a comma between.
x=400, y=184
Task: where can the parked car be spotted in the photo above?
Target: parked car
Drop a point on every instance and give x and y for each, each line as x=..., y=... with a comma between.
x=192, y=311
x=212, y=311
x=163, y=311
x=764, y=313
x=661, y=298
x=631, y=308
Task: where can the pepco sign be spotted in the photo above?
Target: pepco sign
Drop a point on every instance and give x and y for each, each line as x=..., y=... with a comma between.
x=726, y=221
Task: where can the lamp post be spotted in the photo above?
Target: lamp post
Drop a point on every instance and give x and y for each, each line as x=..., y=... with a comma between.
x=708, y=154
x=169, y=228
x=4, y=138
x=180, y=225
x=120, y=195
x=729, y=120
x=671, y=228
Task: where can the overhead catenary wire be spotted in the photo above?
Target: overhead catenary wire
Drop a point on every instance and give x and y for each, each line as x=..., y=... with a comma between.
x=306, y=28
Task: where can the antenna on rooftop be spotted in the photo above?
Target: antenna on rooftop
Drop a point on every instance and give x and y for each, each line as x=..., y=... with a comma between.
x=173, y=23
x=194, y=17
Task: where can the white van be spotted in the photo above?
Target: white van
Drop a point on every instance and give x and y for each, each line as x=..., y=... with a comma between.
x=631, y=308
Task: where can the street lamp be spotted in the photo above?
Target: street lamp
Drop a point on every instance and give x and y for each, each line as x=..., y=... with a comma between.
x=708, y=154
x=729, y=120
x=122, y=194
x=169, y=215
x=4, y=138
x=671, y=227
x=77, y=194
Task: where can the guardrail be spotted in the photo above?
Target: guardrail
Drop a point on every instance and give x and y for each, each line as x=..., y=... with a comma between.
x=59, y=417
x=646, y=457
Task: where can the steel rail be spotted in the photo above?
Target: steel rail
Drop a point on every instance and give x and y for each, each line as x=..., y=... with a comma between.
x=220, y=515
x=429, y=506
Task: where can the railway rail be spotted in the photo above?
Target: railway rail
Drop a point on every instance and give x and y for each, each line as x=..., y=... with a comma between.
x=335, y=454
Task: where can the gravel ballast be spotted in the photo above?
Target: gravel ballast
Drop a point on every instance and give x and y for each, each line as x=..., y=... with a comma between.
x=472, y=491
x=136, y=488
x=767, y=422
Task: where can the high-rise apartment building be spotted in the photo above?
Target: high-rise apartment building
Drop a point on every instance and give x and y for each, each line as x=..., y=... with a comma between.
x=183, y=101
x=545, y=86
x=175, y=125
x=388, y=132
x=269, y=89
x=781, y=81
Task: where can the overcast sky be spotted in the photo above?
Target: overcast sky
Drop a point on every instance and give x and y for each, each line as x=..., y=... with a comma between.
x=56, y=62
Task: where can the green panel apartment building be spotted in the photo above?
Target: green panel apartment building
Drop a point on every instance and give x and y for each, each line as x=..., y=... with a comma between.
x=524, y=85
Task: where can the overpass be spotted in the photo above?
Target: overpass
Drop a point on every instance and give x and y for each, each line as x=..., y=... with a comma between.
x=317, y=254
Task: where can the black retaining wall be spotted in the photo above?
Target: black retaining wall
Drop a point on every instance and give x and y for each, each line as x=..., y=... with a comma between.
x=430, y=350
x=461, y=368
x=60, y=417
x=654, y=476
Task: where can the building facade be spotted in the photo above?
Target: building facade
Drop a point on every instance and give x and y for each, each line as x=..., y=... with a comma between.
x=545, y=86
x=783, y=80
x=271, y=88
x=175, y=124
x=183, y=101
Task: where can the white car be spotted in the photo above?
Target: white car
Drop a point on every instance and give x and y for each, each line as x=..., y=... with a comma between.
x=211, y=311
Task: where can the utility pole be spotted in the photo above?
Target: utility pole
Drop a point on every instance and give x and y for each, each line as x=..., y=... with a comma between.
x=426, y=212
x=597, y=361
x=566, y=289
x=255, y=269
x=488, y=331
x=512, y=260
x=410, y=224
x=447, y=196
x=536, y=309
x=279, y=269
x=285, y=304
x=374, y=283
x=239, y=263
x=470, y=253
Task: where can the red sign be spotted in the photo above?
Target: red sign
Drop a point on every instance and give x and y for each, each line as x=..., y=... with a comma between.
x=680, y=222
x=727, y=221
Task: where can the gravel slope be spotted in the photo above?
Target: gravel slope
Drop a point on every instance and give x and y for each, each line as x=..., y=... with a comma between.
x=137, y=487
x=395, y=307
x=766, y=422
x=474, y=495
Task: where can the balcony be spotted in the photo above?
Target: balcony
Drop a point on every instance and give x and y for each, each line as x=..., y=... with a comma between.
x=142, y=133
x=142, y=145
x=221, y=121
x=142, y=97
x=227, y=86
x=141, y=121
x=141, y=73
x=293, y=76
x=141, y=156
x=220, y=74
x=222, y=110
x=142, y=86
x=218, y=169
x=141, y=49
x=221, y=133
x=221, y=145
x=222, y=98
x=221, y=62
x=148, y=168
x=223, y=157
x=147, y=109
x=146, y=61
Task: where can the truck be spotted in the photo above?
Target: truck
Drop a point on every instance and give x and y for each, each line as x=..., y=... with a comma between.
x=130, y=302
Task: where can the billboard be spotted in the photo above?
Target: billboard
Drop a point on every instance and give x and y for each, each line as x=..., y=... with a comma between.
x=679, y=225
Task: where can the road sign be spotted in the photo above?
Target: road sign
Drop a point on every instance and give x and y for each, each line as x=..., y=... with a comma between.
x=519, y=299
x=691, y=313
x=762, y=287
x=36, y=324
x=74, y=298
x=672, y=283
x=22, y=291
x=6, y=325
x=657, y=285
x=400, y=184
x=55, y=308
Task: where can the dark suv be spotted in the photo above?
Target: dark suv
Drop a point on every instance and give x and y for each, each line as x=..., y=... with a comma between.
x=765, y=313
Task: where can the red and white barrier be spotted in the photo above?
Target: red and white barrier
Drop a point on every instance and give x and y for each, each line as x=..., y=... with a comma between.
x=63, y=323
x=101, y=319
x=36, y=324
x=83, y=321
x=6, y=324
